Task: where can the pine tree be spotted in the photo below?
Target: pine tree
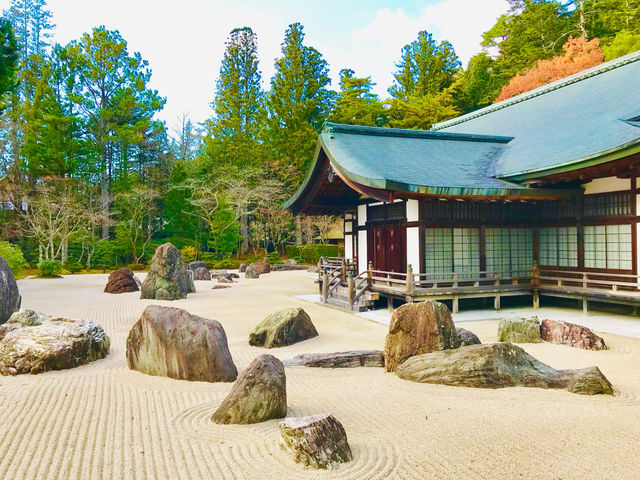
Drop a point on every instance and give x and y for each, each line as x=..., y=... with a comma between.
x=356, y=104
x=8, y=57
x=299, y=104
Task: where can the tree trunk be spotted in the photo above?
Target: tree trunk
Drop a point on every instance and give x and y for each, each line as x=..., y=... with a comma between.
x=104, y=191
x=244, y=233
x=298, y=230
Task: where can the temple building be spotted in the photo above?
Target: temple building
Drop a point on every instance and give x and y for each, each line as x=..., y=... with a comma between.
x=546, y=180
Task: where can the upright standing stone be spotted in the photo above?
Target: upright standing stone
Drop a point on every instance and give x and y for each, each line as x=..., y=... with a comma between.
x=168, y=277
x=170, y=342
x=318, y=441
x=9, y=296
x=418, y=328
x=243, y=267
x=258, y=395
x=262, y=267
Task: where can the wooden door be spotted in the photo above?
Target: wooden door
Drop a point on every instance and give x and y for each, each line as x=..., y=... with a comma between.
x=387, y=247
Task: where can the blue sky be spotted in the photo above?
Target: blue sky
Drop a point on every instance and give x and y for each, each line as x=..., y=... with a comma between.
x=184, y=41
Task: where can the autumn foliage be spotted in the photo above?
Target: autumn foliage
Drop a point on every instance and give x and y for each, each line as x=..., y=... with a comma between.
x=579, y=54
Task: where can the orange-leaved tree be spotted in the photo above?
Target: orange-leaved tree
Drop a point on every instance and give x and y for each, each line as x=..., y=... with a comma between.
x=579, y=54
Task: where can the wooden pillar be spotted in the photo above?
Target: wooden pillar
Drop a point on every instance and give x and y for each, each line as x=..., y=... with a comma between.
x=455, y=305
x=585, y=306
x=351, y=286
x=370, y=274
x=410, y=280
x=536, y=299
x=496, y=303
x=343, y=271
x=325, y=287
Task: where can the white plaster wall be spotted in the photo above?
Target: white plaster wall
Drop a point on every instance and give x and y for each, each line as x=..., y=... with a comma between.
x=413, y=214
x=348, y=226
x=348, y=246
x=413, y=248
x=607, y=184
x=362, y=250
x=362, y=215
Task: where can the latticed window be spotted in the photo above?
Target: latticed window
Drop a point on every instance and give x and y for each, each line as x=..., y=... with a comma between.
x=611, y=204
x=558, y=246
x=438, y=251
x=466, y=250
x=509, y=250
x=452, y=249
x=608, y=246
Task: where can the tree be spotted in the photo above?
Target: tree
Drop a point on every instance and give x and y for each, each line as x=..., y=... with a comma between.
x=579, y=55
x=109, y=91
x=299, y=104
x=8, y=57
x=478, y=85
x=187, y=141
x=356, y=103
x=31, y=20
x=624, y=42
x=232, y=135
x=137, y=219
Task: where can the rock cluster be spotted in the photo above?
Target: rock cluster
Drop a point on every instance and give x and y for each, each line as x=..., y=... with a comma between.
x=122, y=280
x=418, y=328
x=519, y=330
x=259, y=394
x=566, y=333
x=37, y=343
x=284, y=327
x=318, y=441
x=498, y=365
x=168, y=278
x=356, y=358
x=9, y=296
x=170, y=342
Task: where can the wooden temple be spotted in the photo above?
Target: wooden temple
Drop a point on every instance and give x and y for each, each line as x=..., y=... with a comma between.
x=534, y=195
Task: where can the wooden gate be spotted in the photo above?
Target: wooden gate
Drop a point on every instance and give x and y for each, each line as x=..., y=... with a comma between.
x=387, y=247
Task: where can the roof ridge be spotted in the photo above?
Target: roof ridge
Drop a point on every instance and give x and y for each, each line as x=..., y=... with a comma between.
x=332, y=128
x=536, y=92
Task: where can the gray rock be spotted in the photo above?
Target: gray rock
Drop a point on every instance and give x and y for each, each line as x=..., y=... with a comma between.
x=258, y=395
x=282, y=328
x=418, y=328
x=318, y=441
x=356, y=358
x=195, y=265
x=243, y=267
x=170, y=342
x=202, y=274
x=233, y=275
x=498, y=365
x=168, y=277
x=467, y=337
x=250, y=272
x=22, y=318
x=519, y=330
x=10, y=299
x=54, y=344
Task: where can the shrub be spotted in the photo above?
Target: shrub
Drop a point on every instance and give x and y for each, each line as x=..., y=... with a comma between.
x=274, y=258
x=50, y=268
x=226, y=263
x=137, y=267
x=72, y=266
x=189, y=253
x=312, y=253
x=13, y=255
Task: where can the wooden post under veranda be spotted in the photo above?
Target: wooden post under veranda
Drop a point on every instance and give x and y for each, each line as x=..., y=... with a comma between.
x=351, y=286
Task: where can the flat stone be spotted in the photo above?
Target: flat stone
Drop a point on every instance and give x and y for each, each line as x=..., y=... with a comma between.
x=282, y=328
x=258, y=395
x=171, y=342
x=499, y=365
x=418, y=328
x=566, y=333
x=53, y=344
x=355, y=358
x=519, y=330
x=318, y=441
x=219, y=286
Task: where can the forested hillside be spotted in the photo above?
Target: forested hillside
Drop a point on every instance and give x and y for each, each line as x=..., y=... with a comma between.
x=90, y=177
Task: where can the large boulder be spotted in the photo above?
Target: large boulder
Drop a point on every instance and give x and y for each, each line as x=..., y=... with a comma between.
x=9, y=296
x=262, y=267
x=121, y=281
x=519, y=330
x=250, y=272
x=282, y=328
x=22, y=318
x=566, y=333
x=52, y=344
x=498, y=365
x=195, y=265
x=467, y=337
x=168, y=277
x=202, y=273
x=170, y=342
x=318, y=441
x=418, y=328
x=258, y=395
x=354, y=358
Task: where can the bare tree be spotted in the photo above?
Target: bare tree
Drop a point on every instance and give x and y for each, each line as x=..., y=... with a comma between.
x=137, y=219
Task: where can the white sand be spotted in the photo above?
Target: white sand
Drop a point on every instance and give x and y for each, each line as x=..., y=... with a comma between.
x=103, y=421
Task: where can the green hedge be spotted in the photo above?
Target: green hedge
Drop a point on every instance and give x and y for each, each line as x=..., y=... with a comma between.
x=312, y=253
x=13, y=255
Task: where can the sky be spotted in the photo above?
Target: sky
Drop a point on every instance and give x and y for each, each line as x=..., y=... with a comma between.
x=184, y=41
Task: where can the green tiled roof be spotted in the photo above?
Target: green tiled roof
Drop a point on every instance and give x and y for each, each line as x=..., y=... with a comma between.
x=578, y=121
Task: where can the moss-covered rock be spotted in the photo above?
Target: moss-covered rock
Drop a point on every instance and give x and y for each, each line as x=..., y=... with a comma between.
x=282, y=328
x=168, y=277
x=258, y=395
x=519, y=330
